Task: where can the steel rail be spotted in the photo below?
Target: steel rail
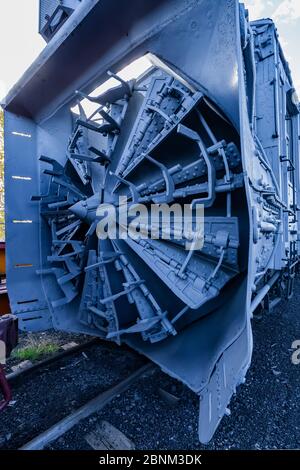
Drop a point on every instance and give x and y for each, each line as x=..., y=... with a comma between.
x=14, y=376
x=93, y=406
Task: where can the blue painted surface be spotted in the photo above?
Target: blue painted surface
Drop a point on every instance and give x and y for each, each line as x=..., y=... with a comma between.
x=215, y=120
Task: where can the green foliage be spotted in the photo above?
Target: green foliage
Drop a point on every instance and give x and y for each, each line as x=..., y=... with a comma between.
x=35, y=352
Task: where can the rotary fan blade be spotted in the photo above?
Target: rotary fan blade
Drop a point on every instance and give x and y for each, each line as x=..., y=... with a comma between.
x=177, y=148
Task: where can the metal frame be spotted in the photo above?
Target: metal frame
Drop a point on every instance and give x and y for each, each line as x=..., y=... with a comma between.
x=215, y=44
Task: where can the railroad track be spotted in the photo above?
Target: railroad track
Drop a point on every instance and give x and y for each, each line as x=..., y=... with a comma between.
x=52, y=396
x=19, y=374
x=92, y=406
x=148, y=422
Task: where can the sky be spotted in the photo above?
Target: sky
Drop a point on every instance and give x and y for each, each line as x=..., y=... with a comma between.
x=20, y=42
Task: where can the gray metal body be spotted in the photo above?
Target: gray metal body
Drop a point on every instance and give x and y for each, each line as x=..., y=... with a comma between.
x=53, y=14
x=214, y=120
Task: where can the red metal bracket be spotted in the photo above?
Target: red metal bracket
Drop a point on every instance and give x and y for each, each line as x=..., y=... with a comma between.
x=5, y=389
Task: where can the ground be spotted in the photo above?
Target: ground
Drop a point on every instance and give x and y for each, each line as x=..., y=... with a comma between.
x=265, y=413
x=36, y=347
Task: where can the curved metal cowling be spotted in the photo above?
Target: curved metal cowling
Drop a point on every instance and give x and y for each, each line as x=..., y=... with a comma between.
x=181, y=133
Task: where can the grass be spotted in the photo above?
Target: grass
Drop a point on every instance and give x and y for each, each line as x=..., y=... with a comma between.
x=35, y=351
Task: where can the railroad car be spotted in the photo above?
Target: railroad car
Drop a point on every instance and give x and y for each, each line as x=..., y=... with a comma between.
x=163, y=102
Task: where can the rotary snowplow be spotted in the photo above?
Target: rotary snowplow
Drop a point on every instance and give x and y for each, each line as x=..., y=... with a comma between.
x=200, y=125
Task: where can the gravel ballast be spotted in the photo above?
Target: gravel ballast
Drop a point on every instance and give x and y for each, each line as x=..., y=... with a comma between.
x=265, y=413
x=46, y=396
